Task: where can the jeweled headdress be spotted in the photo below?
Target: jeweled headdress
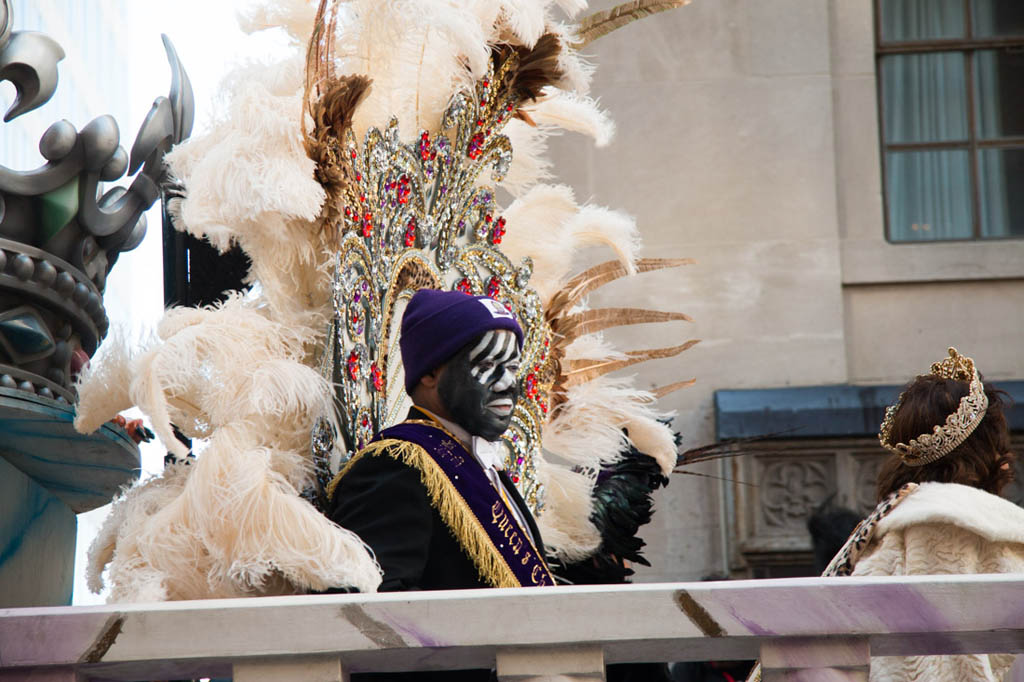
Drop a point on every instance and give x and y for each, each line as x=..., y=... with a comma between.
x=944, y=438
x=421, y=214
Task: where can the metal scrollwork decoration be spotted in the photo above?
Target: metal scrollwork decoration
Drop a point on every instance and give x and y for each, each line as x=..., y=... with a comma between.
x=60, y=231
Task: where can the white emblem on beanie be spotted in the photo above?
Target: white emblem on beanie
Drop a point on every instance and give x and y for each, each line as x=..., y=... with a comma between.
x=496, y=309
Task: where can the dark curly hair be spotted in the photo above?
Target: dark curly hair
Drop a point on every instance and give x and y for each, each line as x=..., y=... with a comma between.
x=977, y=462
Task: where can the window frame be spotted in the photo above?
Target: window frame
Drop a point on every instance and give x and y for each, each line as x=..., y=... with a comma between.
x=968, y=46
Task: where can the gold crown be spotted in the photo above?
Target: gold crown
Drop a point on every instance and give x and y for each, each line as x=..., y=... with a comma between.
x=959, y=425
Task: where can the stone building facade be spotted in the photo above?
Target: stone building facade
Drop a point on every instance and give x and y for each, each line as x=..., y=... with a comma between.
x=750, y=138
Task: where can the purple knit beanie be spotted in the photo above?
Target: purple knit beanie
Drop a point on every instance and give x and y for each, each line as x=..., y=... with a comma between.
x=436, y=324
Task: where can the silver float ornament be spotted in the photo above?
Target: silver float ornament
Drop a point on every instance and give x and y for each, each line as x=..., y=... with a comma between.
x=60, y=232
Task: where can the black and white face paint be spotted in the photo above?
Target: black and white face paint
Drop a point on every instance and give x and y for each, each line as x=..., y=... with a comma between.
x=479, y=386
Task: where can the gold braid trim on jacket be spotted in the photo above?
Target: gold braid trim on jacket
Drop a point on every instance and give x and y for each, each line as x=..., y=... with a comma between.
x=448, y=502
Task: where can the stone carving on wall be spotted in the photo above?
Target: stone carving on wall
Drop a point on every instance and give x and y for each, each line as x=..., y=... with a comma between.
x=779, y=485
x=60, y=230
x=791, y=489
x=788, y=480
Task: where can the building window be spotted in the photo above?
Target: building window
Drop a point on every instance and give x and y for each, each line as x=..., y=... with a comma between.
x=951, y=92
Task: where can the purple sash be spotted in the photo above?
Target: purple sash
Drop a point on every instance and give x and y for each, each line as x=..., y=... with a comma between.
x=509, y=543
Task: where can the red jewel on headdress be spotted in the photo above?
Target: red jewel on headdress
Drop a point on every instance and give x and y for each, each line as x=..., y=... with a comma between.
x=377, y=376
x=531, y=385
x=365, y=421
x=352, y=364
x=402, y=189
x=464, y=286
x=499, y=231
x=425, y=146
x=352, y=153
x=515, y=478
x=475, y=144
x=493, y=287
x=410, y=232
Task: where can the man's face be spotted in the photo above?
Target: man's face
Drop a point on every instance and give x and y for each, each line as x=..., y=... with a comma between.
x=479, y=386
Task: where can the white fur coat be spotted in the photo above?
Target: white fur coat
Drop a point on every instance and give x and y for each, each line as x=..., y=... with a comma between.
x=945, y=528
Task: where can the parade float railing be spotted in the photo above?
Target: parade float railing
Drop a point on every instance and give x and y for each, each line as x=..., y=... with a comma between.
x=802, y=629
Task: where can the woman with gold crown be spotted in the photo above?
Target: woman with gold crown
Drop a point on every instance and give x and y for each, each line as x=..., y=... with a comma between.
x=939, y=508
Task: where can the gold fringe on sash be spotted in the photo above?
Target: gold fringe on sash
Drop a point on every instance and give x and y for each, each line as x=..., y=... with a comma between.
x=448, y=502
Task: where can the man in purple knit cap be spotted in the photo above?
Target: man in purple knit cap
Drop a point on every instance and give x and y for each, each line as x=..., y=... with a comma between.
x=429, y=495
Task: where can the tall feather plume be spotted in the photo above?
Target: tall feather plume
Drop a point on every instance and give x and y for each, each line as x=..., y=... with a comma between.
x=332, y=113
x=331, y=103
x=602, y=23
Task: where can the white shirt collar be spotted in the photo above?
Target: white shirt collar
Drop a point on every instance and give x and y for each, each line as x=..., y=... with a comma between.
x=489, y=453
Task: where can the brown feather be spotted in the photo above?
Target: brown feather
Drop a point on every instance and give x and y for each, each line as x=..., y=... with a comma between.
x=574, y=326
x=598, y=275
x=332, y=114
x=536, y=69
x=662, y=391
x=602, y=23
x=319, y=54
x=582, y=371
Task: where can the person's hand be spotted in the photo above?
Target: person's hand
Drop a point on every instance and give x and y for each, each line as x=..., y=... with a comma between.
x=137, y=431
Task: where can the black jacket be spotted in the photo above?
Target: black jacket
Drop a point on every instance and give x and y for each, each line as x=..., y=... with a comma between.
x=384, y=502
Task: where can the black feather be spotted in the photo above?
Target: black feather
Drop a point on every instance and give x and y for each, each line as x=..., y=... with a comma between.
x=623, y=503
